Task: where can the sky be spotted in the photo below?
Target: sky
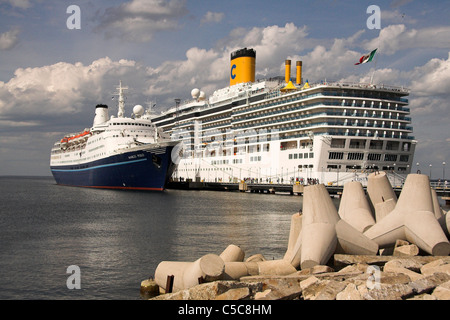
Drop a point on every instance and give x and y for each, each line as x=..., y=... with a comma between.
x=57, y=63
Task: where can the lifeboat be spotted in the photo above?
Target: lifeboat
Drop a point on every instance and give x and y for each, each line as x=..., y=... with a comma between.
x=64, y=142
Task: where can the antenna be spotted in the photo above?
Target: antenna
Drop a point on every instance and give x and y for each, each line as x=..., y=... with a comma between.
x=121, y=110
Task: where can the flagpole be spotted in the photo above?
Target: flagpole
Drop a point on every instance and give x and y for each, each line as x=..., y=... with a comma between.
x=376, y=58
x=375, y=68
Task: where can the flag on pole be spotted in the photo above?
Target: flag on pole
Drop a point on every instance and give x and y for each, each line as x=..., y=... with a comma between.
x=367, y=57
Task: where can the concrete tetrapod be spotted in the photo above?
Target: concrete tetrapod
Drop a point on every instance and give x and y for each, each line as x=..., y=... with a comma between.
x=444, y=221
x=381, y=194
x=210, y=267
x=293, y=252
x=232, y=253
x=413, y=219
x=354, y=207
x=442, y=216
x=324, y=232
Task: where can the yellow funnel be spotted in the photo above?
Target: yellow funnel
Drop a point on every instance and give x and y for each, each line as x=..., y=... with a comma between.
x=242, y=66
x=287, y=75
x=299, y=72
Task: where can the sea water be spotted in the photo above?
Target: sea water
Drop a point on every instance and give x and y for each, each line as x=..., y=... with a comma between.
x=117, y=238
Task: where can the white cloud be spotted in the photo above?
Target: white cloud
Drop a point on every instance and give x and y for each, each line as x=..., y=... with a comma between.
x=23, y=4
x=213, y=17
x=139, y=20
x=432, y=79
x=397, y=37
x=52, y=94
x=9, y=39
x=62, y=89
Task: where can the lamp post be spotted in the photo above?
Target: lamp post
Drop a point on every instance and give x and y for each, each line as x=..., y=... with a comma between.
x=393, y=172
x=430, y=170
x=417, y=164
x=443, y=171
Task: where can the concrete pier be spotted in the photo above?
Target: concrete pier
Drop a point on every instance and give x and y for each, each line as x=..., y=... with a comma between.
x=413, y=219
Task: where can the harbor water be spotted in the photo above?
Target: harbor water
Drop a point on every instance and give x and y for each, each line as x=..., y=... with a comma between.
x=117, y=238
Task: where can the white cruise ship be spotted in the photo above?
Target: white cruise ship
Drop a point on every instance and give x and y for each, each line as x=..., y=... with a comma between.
x=115, y=153
x=283, y=131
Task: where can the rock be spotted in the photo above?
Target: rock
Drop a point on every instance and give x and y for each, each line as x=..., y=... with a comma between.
x=350, y=292
x=234, y=294
x=387, y=278
x=442, y=292
x=409, y=250
x=263, y=295
x=354, y=268
x=424, y=296
x=436, y=266
x=394, y=292
x=316, y=270
x=343, y=260
x=409, y=264
x=149, y=288
x=411, y=274
x=428, y=283
x=281, y=287
x=323, y=290
x=404, y=266
x=209, y=290
x=400, y=243
x=308, y=282
x=321, y=269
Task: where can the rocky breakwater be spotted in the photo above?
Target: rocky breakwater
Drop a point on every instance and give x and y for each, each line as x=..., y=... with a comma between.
x=373, y=247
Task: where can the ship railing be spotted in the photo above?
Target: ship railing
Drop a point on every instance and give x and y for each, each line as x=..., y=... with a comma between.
x=399, y=89
x=325, y=103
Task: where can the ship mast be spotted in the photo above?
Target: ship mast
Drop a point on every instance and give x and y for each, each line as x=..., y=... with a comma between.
x=121, y=110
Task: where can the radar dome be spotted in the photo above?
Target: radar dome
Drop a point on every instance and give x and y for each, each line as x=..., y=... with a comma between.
x=138, y=110
x=202, y=95
x=194, y=93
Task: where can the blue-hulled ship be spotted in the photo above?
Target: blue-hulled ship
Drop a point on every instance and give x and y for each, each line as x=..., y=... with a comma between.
x=117, y=152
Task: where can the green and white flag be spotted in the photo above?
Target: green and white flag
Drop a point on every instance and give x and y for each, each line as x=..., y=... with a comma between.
x=366, y=58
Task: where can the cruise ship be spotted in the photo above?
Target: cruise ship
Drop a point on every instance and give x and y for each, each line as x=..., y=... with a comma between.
x=287, y=130
x=117, y=152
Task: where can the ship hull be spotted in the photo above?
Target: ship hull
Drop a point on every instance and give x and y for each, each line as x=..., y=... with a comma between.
x=147, y=169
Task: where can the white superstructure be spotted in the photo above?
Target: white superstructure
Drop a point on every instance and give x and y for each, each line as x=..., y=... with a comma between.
x=116, y=152
x=269, y=131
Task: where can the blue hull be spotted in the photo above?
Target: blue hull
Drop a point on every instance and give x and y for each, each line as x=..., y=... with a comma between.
x=137, y=170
